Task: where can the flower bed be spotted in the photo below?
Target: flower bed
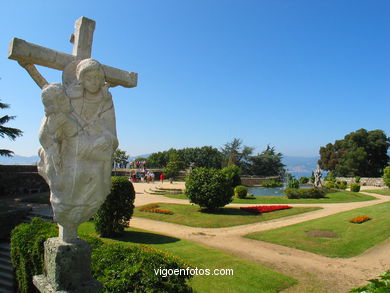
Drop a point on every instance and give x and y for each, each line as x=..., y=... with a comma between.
x=265, y=209
x=360, y=219
x=152, y=208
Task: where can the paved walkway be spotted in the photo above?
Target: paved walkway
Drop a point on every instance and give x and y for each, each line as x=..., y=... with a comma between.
x=316, y=273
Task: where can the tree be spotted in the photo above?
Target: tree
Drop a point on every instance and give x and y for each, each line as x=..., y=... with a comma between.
x=174, y=165
x=266, y=163
x=361, y=153
x=234, y=153
x=11, y=133
x=120, y=158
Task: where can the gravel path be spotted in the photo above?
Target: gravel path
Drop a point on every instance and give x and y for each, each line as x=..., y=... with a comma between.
x=316, y=273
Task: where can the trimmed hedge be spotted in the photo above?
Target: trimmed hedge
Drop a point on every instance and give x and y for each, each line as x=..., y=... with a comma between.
x=355, y=187
x=27, y=251
x=120, y=268
x=271, y=183
x=293, y=193
x=209, y=188
x=134, y=269
x=240, y=191
x=114, y=214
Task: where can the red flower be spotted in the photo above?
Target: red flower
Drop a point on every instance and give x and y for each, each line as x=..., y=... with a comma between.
x=360, y=219
x=265, y=209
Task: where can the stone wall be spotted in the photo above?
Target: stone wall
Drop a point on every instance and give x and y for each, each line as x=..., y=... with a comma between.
x=21, y=179
x=253, y=180
x=365, y=181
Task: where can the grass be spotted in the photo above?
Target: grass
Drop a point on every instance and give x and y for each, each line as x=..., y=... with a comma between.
x=334, y=197
x=191, y=215
x=43, y=198
x=352, y=239
x=384, y=191
x=248, y=277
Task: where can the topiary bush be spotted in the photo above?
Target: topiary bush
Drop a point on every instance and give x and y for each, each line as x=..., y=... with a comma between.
x=386, y=176
x=357, y=179
x=115, y=213
x=232, y=173
x=135, y=269
x=208, y=188
x=355, y=187
x=293, y=193
x=27, y=251
x=240, y=191
x=330, y=184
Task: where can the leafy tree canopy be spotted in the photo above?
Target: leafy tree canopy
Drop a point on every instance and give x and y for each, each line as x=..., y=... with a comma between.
x=11, y=133
x=266, y=163
x=120, y=158
x=361, y=153
x=234, y=153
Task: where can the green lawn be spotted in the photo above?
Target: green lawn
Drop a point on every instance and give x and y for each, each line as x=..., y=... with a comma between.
x=352, y=239
x=335, y=197
x=384, y=191
x=191, y=215
x=248, y=277
x=38, y=198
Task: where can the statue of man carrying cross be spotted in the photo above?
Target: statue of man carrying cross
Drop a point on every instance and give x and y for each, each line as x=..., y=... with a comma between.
x=78, y=132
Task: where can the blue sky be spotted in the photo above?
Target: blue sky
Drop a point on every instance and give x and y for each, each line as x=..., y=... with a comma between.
x=293, y=74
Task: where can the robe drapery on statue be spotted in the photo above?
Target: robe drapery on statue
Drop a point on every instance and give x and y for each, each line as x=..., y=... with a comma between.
x=78, y=138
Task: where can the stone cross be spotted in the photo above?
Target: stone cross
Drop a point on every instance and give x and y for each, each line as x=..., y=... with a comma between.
x=78, y=138
x=28, y=54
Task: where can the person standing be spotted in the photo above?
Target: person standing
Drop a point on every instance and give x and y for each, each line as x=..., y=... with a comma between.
x=162, y=177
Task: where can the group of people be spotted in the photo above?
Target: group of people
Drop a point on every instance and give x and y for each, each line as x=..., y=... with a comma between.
x=138, y=164
x=146, y=176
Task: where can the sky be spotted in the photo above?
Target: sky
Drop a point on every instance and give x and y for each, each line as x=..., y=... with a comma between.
x=293, y=74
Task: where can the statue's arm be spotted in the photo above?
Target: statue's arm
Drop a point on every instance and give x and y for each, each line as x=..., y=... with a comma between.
x=34, y=73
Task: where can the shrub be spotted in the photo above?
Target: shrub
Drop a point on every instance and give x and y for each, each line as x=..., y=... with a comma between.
x=232, y=173
x=357, y=179
x=331, y=176
x=293, y=183
x=120, y=269
x=355, y=187
x=27, y=251
x=271, y=183
x=116, y=211
x=134, y=269
x=375, y=285
x=209, y=188
x=330, y=184
x=293, y=193
x=341, y=185
x=240, y=191
x=386, y=176
x=304, y=180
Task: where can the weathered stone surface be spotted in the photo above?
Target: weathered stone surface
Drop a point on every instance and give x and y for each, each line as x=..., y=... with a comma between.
x=67, y=266
x=366, y=181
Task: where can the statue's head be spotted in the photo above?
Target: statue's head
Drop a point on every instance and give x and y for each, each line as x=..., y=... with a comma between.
x=90, y=74
x=52, y=96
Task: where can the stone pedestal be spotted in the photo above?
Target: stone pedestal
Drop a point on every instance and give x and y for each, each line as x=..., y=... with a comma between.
x=67, y=268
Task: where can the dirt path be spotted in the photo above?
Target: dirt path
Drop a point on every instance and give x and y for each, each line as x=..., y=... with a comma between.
x=316, y=273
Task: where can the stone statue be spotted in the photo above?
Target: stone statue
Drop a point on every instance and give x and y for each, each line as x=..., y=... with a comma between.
x=317, y=177
x=78, y=137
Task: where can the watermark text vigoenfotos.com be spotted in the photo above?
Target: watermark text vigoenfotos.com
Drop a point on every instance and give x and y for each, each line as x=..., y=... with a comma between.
x=193, y=272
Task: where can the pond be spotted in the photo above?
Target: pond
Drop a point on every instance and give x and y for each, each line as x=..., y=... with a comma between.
x=264, y=191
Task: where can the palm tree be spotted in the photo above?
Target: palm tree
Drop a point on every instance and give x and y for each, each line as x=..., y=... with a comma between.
x=12, y=133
